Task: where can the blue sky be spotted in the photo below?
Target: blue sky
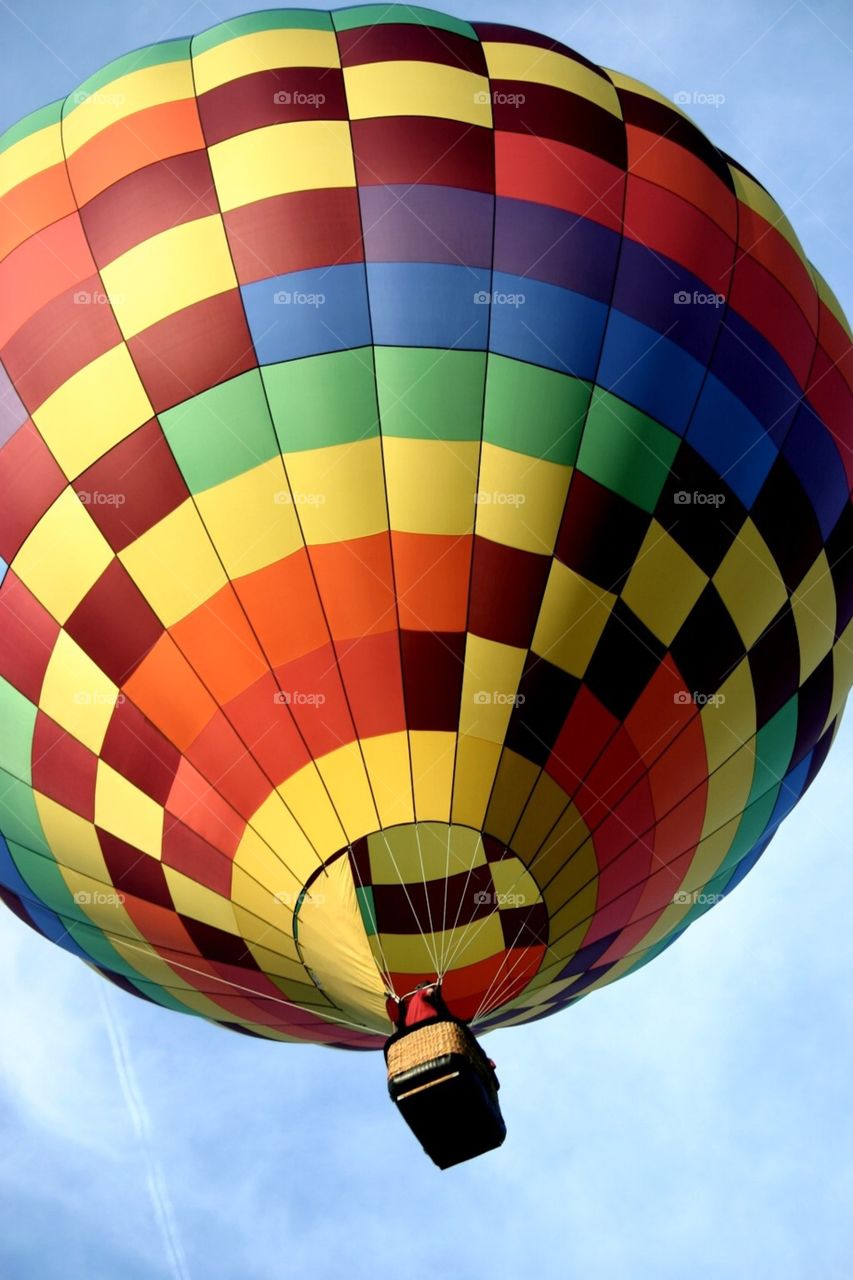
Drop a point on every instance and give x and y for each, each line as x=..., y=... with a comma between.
x=692, y=1120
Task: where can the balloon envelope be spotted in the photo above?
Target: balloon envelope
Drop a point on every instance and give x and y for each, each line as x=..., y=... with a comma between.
x=426, y=528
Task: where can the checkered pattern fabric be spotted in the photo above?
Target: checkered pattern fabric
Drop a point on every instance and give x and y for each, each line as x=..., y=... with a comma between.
x=426, y=526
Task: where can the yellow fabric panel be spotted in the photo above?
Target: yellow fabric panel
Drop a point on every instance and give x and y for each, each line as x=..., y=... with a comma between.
x=520, y=500
x=276, y=850
x=813, y=604
x=339, y=491
x=452, y=470
x=306, y=798
x=548, y=802
x=249, y=523
x=148, y=87
x=729, y=721
x=304, y=155
x=174, y=564
x=709, y=855
x=417, y=89
x=572, y=616
x=728, y=789
x=561, y=846
x=63, y=557
x=476, y=765
x=469, y=943
x=200, y=903
x=33, y=154
x=77, y=694
x=750, y=583
x=101, y=903
x=571, y=901
x=489, y=687
x=544, y=66
x=663, y=585
x=515, y=781
x=387, y=759
x=514, y=885
x=127, y=812
x=750, y=193
x=168, y=272
x=271, y=898
x=428, y=851
x=621, y=81
x=257, y=929
x=432, y=768
x=842, y=661
x=72, y=839
x=336, y=952
x=263, y=51
x=98, y=406
x=829, y=300
x=344, y=774
x=273, y=963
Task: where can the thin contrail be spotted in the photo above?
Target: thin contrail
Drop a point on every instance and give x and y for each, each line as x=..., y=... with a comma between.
x=156, y=1183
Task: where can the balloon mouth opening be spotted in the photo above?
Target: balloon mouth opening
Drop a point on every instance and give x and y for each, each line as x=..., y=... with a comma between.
x=421, y=902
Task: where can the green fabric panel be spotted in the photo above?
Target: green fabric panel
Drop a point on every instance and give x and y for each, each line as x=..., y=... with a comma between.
x=429, y=393
x=151, y=55
x=367, y=908
x=535, y=411
x=221, y=433
x=773, y=745
x=751, y=828
x=626, y=451
x=266, y=20
x=371, y=15
x=323, y=400
x=19, y=820
x=45, y=879
x=36, y=120
x=18, y=718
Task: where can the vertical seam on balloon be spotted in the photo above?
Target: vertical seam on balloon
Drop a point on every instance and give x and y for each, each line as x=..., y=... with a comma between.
x=391, y=558
x=449, y=950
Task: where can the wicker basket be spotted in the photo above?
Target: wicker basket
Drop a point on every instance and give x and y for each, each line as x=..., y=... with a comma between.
x=423, y=1044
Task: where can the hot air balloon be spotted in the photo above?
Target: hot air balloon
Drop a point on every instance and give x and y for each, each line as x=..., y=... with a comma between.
x=426, y=527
